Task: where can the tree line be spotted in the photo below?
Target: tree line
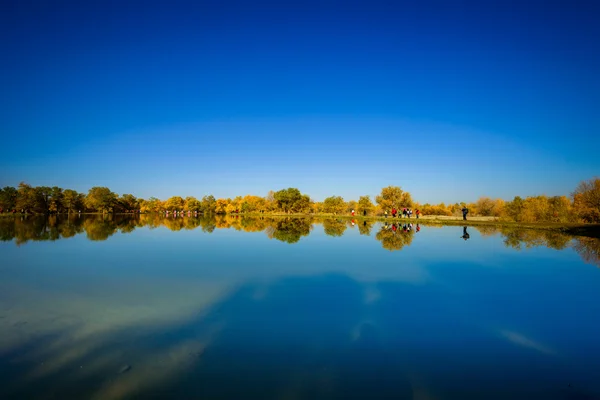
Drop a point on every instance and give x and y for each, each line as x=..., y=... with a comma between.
x=583, y=205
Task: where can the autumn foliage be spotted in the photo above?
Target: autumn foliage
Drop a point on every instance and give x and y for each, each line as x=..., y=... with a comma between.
x=582, y=206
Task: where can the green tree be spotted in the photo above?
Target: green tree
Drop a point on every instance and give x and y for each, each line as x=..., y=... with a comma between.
x=209, y=204
x=26, y=197
x=128, y=202
x=72, y=200
x=56, y=199
x=291, y=200
x=42, y=198
x=8, y=198
x=100, y=199
x=514, y=209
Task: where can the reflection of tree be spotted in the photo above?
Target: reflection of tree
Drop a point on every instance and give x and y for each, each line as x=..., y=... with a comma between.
x=588, y=249
x=174, y=223
x=7, y=229
x=365, y=227
x=487, y=230
x=207, y=224
x=394, y=239
x=254, y=224
x=221, y=222
x=334, y=227
x=70, y=226
x=515, y=238
x=290, y=230
x=99, y=228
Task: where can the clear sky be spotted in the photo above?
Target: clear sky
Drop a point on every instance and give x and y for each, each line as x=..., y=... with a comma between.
x=450, y=100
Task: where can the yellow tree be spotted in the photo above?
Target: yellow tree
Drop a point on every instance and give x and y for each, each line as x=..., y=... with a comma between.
x=175, y=203
x=498, y=208
x=365, y=206
x=220, y=206
x=485, y=206
x=393, y=197
x=586, y=198
x=192, y=204
x=334, y=205
x=351, y=205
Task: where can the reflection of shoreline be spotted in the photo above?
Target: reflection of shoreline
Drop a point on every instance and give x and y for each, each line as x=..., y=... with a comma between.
x=393, y=235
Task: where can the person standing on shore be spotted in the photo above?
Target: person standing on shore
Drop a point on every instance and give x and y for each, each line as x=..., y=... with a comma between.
x=465, y=211
x=386, y=213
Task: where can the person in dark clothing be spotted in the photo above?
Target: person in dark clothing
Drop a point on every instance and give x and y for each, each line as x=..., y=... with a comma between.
x=465, y=234
x=365, y=213
x=465, y=211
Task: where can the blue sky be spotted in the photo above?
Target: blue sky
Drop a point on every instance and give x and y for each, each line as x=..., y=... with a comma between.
x=449, y=100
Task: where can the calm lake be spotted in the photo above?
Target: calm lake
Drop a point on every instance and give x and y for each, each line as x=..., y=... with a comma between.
x=120, y=307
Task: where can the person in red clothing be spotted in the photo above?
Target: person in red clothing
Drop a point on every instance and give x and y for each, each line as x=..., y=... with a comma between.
x=394, y=212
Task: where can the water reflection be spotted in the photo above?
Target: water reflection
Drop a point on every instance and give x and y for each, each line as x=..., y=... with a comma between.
x=186, y=321
x=465, y=235
x=393, y=237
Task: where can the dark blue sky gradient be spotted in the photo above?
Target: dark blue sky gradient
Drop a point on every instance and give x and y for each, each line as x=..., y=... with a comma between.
x=450, y=100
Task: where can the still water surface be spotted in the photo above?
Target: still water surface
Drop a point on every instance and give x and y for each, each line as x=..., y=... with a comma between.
x=240, y=308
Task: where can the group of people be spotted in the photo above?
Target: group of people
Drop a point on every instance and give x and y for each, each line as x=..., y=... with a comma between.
x=405, y=228
x=181, y=213
x=406, y=212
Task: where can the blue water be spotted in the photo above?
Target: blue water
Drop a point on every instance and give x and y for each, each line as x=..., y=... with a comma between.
x=118, y=308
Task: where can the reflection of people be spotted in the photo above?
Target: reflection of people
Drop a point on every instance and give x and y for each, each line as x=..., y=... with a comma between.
x=465, y=211
x=418, y=228
x=465, y=233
